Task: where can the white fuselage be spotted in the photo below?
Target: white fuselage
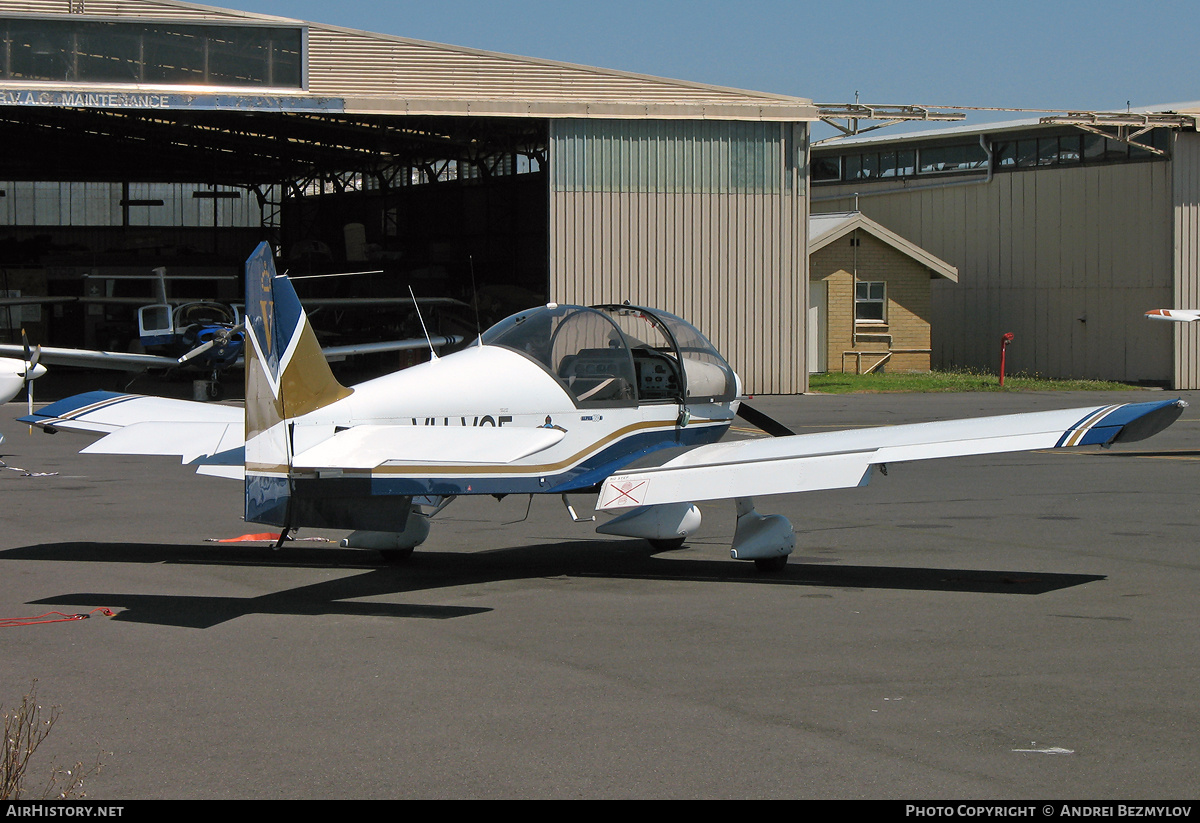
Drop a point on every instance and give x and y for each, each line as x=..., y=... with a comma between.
x=490, y=386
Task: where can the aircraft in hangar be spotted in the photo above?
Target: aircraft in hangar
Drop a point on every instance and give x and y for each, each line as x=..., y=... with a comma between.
x=620, y=401
x=203, y=336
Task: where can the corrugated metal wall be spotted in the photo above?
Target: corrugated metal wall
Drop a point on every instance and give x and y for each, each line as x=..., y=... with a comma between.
x=704, y=219
x=1186, y=178
x=1067, y=259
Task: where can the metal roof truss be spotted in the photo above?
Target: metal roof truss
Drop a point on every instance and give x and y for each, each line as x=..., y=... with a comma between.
x=1128, y=126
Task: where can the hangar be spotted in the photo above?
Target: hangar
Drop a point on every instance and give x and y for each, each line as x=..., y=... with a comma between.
x=1065, y=229
x=145, y=133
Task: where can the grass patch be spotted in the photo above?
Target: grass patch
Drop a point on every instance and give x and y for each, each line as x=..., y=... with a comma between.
x=953, y=381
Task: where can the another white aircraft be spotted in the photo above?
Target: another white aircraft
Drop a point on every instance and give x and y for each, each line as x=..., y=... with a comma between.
x=621, y=401
x=1178, y=315
x=16, y=375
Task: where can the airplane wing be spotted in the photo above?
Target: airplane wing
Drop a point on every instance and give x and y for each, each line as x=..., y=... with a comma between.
x=844, y=459
x=363, y=302
x=333, y=353
x=139, y=362
x=35, y=300
x=209, y=436
x=1178, y=315
x=116, y=360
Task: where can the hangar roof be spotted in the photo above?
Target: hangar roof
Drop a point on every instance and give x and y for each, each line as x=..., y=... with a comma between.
x=367, y=73
x=823, y=229
x=1185, y=110
x=364, y=101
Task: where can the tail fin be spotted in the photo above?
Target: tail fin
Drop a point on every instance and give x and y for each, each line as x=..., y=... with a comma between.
x=287, y=376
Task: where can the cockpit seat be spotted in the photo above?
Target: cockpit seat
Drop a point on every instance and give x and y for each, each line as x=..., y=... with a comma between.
x=595, y=375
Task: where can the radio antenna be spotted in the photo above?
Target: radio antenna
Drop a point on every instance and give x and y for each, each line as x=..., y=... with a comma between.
x=475, y=299
x=432, y=353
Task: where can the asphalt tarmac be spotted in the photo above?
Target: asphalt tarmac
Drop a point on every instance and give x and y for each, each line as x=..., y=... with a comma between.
x=1005, y=627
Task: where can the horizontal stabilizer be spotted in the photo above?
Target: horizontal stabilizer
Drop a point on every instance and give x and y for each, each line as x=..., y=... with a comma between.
x=368, y=446
x=189, y=440
x=104, y=412
x=841, y=459
x=207, y=435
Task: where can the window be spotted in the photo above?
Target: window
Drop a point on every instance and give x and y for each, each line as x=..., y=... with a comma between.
x=870, y=300
x=1033, y=150
x=99, y=51
x=953, y=158
x=826, y=168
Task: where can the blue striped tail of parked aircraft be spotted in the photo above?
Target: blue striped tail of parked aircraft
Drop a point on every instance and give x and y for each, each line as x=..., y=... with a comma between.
x=623, y=402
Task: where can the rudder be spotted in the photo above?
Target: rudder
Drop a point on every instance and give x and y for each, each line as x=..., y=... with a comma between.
x=287, y=377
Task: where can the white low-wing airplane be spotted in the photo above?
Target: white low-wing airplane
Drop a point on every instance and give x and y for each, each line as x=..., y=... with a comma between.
x=622, y=401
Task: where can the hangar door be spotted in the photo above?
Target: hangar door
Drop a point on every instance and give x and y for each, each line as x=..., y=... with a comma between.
x=705, y=219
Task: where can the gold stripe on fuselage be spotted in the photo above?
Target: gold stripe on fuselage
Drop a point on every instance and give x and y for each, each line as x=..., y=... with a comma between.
x=468, y=469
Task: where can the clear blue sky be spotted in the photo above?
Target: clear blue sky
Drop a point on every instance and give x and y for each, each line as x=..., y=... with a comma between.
x=1013, y=54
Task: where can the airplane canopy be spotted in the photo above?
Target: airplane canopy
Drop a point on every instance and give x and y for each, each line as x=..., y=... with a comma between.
x=618, y=354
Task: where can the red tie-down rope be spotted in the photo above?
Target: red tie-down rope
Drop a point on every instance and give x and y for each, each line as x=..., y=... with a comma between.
x=50, y=617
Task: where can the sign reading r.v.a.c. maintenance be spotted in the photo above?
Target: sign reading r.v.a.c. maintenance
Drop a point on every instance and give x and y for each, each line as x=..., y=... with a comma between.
x=139, y=99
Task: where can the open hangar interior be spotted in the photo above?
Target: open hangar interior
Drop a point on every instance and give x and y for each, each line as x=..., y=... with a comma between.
x=148, y=134
x=313, y=187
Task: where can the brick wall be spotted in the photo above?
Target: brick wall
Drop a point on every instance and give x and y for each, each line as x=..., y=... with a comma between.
x=908, y=303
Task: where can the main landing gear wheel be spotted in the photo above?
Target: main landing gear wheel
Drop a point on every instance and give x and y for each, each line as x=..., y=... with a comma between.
x=668, y=544
x=771, y=564
x=395, y=555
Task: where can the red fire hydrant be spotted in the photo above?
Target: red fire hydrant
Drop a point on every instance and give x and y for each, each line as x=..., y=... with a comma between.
x=1004, y=341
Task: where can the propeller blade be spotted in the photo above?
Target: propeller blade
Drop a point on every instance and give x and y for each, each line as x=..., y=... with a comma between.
x=220, y=338
x=28, y=355
x=31, y=372
x=29, y=364
x=31, y=358
x=756, y=418
x=203, y=347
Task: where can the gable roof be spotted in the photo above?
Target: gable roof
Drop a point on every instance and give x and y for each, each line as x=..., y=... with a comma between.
x=382, y=73
x=823, y=229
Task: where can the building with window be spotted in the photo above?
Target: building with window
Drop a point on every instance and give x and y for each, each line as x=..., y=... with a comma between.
x=1064, y=230
x=869, y=296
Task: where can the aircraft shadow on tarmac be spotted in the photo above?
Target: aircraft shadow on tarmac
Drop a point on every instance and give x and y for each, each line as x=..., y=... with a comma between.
x=431, y=570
